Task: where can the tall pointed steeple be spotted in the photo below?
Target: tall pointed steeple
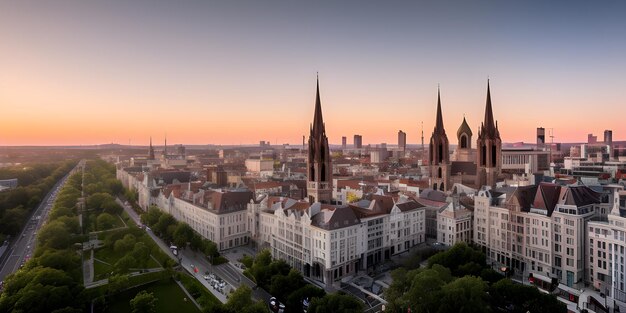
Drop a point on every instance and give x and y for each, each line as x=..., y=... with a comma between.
x=489, y=126
x=319, y=182
x=489, y=146
x=439, y=124
x=318, y=120
x=151, y=151
x=439, y=152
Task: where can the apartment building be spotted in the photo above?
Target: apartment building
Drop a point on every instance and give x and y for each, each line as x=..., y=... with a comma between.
x=538, y=232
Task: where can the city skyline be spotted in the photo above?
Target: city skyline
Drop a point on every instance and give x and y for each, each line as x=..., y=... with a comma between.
x=77, y=73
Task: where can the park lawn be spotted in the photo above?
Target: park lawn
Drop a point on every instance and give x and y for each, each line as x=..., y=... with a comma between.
x=109, y=255
x=170, y=298
x=101, y=270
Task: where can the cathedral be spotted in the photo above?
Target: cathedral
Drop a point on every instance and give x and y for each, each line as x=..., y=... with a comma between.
x=471, y=167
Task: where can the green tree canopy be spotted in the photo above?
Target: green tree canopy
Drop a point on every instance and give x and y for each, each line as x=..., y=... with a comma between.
x=143, y=302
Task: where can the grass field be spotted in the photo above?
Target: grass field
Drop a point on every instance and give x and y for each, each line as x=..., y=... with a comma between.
x=170, y=298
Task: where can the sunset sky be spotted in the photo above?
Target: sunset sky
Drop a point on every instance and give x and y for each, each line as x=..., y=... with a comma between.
x=236, y=72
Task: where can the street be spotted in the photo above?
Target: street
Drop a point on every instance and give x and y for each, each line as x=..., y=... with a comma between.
x=22, y=246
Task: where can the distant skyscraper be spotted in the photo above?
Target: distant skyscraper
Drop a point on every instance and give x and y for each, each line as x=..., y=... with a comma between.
x=439, y=153
x=319, y=182
x=608, y=137
x=344, y=142
x=401, y=140
x=541, y=136
x=489, y=146
x=592, y=139
x=358, y=141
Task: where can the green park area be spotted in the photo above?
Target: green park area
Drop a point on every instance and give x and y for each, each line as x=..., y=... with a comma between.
x=169, y=298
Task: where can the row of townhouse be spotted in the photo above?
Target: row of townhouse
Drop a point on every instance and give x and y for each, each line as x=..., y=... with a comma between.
x=219, y=216
x=543, y=233
x=328, y=242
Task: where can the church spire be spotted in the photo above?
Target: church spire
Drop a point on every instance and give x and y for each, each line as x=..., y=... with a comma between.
x=489, y=124
x=439, y=124
x=318, y=120
x=151, y=151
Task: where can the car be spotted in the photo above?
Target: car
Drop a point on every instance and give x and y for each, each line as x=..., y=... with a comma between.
x=206, y=277
x=175, y=252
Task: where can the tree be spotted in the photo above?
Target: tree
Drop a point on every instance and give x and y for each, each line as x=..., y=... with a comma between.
x=165, y=221
x=105, y=221
x=112, y=207
x=281, y=286
x=151, y=217
x=125, y=263
x=39, y=289
x=59, y=211
x=336, y=302
x=54, y=235
x=465, y=294
x=141, y=253
x=457, y=256
x=210, y=249
x=240, y=299
x=352, y=197
x=183, y=234
x=294, y=299
x=12, y=220
x=143, y=302
x=118, y=283
x=124, y=244
x=96, y=200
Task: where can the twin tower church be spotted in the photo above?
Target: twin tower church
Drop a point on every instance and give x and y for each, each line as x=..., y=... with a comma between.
x=471, y=167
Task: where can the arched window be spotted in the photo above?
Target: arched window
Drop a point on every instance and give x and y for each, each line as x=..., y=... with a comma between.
x=435, y=186
x=439, y=172
x=312, y=172
x=323, y=172
x=493, y=155
x=483, y=155
x=463, y=141
x=441, y=187
x=440, y=152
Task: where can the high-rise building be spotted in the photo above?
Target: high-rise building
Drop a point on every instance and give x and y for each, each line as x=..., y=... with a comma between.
x=358, y=141
x=489, y=146
x=541, y=136
x=439, y=153
x=344, y=142
x=319, y=178
x=608, y=137
x=592, y=139
x=401, y=140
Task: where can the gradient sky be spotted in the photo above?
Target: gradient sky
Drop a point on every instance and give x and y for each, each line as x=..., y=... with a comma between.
x=231, y=72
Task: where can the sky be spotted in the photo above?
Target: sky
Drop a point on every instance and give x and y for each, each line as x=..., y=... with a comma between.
x=237, y=72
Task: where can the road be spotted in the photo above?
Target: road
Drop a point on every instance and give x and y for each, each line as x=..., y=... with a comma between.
x=21, y=247
x=186, y=258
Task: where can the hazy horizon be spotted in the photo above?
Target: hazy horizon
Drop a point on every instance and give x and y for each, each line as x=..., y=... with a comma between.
x=78, y=73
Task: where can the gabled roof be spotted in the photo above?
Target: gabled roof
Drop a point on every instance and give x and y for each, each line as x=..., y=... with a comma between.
x=409, y=205
x=547, y=197
x=580, y=196
x=331, y=218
